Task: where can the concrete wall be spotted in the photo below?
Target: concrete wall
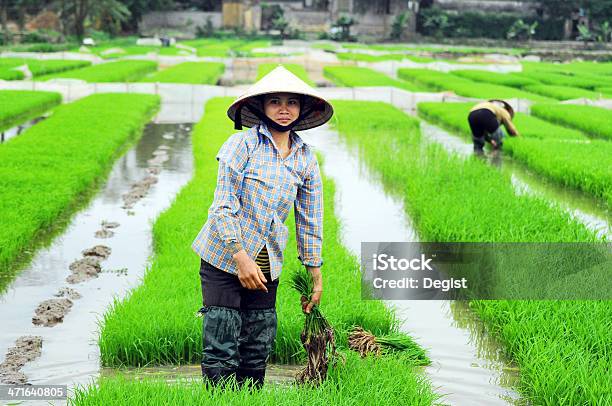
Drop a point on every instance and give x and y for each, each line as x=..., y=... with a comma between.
x=182, y=21
x=492, y=6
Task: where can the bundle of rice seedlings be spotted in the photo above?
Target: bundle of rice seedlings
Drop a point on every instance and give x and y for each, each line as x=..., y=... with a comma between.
x=364, y=342
x=317, y=336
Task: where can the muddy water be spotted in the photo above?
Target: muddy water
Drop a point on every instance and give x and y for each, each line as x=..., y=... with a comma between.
x=282, y=374
x=467, y=365
x=70, y=353
x=580, y=205
x=18, y=129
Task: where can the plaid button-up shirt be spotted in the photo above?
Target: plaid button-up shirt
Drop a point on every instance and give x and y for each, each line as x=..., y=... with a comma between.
x=255, y=190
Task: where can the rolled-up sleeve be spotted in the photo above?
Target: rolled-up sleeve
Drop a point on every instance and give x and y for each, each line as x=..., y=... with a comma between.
x=309, y=217
x=232, y=158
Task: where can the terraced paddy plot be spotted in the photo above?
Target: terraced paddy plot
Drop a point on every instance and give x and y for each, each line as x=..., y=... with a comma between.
x=440, y=81
x=18, y=106
x=352, y=56
x=352, y=76
x=582, y=80
x=197, y=73
x=49, y=166
x=223, y=48
x=574, y=68
x=298, y=70
x=10, y=74
x=563, y=92
x=120, y=71
x=502, y=79
x=40, y=67
x=563, y=155
x=594, y=121
x=555, y=367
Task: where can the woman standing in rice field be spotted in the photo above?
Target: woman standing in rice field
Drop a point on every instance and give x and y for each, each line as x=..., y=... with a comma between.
x=485, y=122
x=264, y=172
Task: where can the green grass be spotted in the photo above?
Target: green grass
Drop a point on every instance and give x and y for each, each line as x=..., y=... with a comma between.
x=139, y=330
x=594, y=121
x=356, y=382
x=120, y=71
x=40, y=67
x=502, y=79
x=563, y=155
x=440, y=81
x=562, y=348
x=47, y=168
x=353, y=76
x=606, y=91
x=562, y=92
x=197, y=73
x=18, y=106
x=298, y=70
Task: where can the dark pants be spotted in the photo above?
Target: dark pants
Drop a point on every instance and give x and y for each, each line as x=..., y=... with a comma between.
x=239, y=325
x=485, y=127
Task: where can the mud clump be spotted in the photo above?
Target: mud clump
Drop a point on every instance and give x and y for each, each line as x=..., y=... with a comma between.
x=51, y=312
x=69, y=293
x=26, y=349
x=98, y=251
x=106, y=230
x=84, y=269
x=138, y=191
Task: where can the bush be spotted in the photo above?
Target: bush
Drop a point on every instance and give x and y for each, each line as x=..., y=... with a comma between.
x=471, y=24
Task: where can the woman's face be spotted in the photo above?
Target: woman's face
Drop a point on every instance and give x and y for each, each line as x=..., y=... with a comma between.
x=282, y=108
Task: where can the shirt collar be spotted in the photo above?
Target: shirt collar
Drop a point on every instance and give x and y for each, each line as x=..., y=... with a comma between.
x=296, y=140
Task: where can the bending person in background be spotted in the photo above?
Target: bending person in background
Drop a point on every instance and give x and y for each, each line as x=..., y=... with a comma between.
x=485, y=121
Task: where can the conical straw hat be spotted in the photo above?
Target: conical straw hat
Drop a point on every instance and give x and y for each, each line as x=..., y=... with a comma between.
x=315, y=110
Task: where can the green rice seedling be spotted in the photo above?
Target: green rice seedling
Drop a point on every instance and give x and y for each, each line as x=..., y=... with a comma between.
x=502, y=79
x=317, y=336
x=583, y=80
x=356, y=382
x=364, y=342
x=197, y=73
x=18, y=106
x=441, y=81
x=47, y=169
x=120, y=71
x=594, y=121
x=353, y=76
x=561, y=347
x=298, y=70
x=563, y=92
x=605, y=91
x=139, y=330
x=561, y=154
x=352, y=56
x=574, y=68
x=10, y=74
x=39, y=67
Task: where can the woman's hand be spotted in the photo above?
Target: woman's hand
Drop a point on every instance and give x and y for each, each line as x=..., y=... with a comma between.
x=317, y=290
x=249, y=273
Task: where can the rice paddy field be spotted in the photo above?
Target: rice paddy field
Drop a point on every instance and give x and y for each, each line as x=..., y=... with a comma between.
x=71, y=140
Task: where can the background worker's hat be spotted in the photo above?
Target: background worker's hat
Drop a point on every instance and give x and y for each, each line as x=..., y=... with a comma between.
x=247, y=109
x=507, y=106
